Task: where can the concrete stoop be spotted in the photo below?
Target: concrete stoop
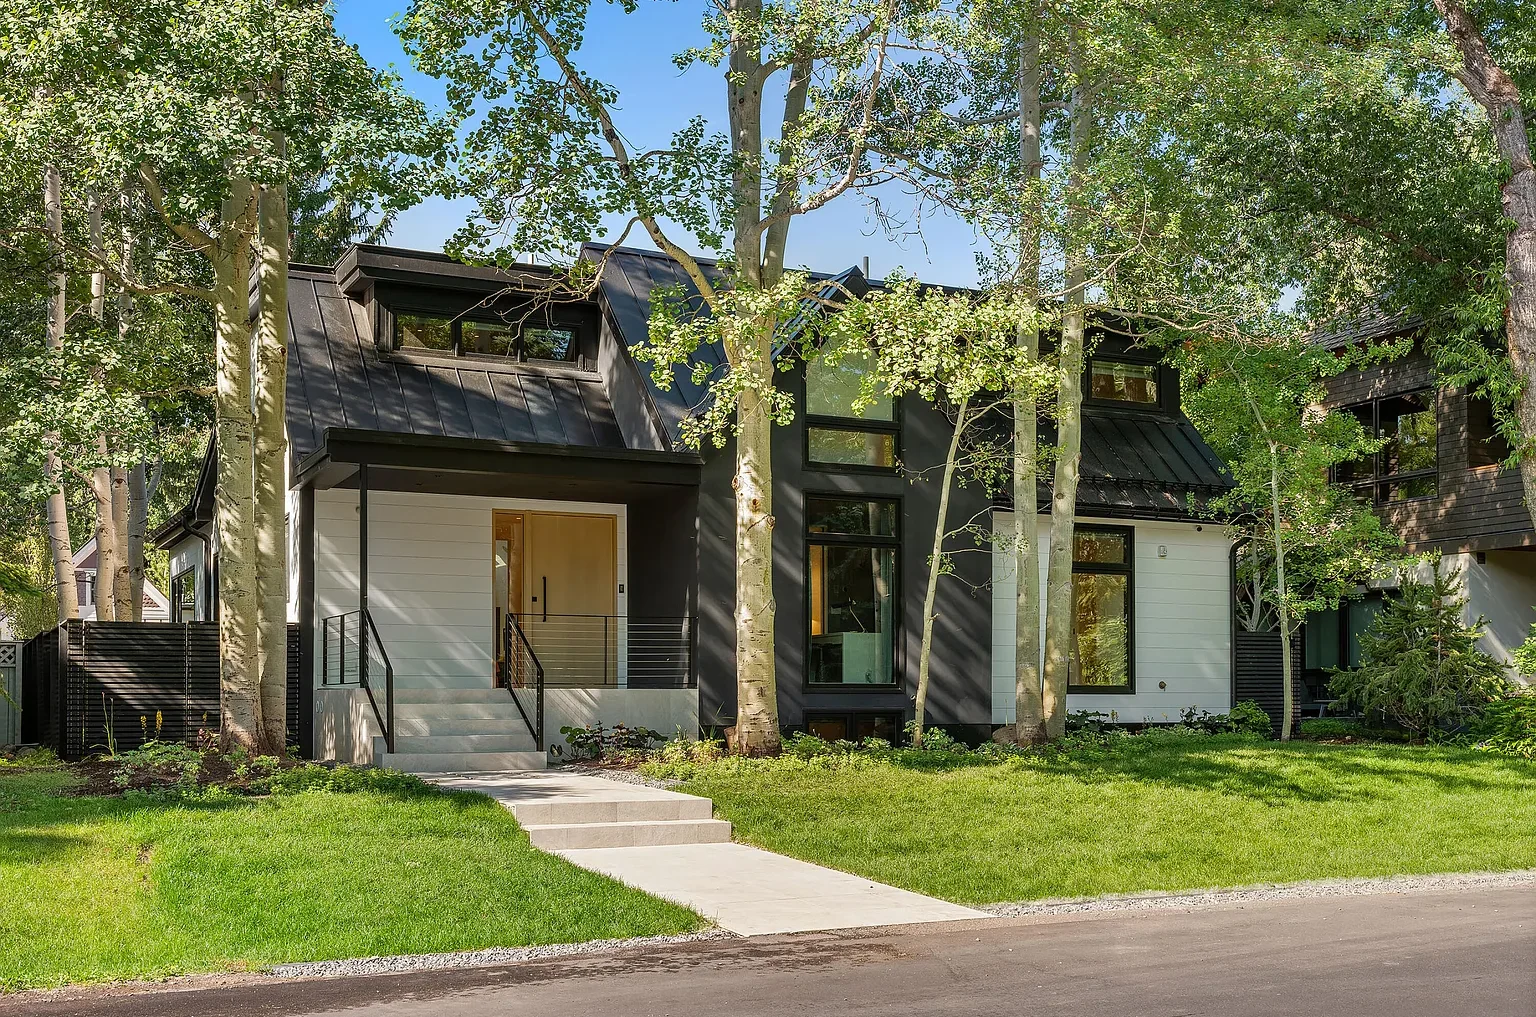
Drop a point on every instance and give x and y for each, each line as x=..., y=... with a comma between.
x=566, y=812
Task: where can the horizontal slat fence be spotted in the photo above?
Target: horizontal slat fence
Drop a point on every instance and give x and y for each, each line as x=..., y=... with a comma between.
x=90, y=686
x=1258, y=672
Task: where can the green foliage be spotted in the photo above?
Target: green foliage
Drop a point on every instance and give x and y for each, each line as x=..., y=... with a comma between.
x=595, y=741
x=1524, y=655
x=1420, y=663
x=1329, y=728
x=1247, y=717
x=1146, y=814
x=16, y=581
x=1507, y=726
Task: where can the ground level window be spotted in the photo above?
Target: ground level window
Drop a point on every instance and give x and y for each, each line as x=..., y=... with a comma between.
x=852, y=551
x=1102, y=620
x=854, y=726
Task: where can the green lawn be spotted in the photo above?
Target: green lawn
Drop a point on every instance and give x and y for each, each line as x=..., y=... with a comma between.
x=93, y=889
x=1153, y=814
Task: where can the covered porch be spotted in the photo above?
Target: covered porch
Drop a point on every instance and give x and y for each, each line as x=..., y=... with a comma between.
x=463, y=600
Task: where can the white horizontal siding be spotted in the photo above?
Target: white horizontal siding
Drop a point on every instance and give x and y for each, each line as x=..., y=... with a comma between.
x=1182, y=623
x=429, y=576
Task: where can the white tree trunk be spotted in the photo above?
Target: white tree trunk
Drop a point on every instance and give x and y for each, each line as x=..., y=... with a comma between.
x=128, y=598
x=757, y=713
x=123, y=607
x=1069, y=426
x=234, y=496
x=1029, y=694
x=271, y=459
x=935, y=570
x=1282, y=608
x=101, y=478
x=59, y=543
x=141, y=489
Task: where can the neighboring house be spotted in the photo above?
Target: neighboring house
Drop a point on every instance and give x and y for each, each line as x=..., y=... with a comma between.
x=1440, y=484
x=494, y=473
x=157, y=607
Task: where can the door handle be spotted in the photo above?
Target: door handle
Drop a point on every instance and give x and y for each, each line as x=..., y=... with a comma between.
x=544, y=581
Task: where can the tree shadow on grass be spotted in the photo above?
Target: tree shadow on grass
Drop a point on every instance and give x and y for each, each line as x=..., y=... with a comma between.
x=1269, y=773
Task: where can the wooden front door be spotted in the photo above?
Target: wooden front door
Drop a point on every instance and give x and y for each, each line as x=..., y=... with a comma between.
x=560, y=575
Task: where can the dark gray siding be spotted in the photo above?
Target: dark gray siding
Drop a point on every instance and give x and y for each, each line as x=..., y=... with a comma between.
x=959, y=686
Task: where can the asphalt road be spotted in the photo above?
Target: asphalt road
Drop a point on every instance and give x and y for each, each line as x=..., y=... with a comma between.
x=1392, y=955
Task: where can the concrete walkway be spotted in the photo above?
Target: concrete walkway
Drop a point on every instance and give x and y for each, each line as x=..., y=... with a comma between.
x=668, y=844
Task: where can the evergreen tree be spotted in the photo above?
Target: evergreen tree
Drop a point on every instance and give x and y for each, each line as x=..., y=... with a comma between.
x=1420, y=663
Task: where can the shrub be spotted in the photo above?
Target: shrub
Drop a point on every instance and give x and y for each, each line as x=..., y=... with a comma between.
x=596, y=741
x=1330, y=727
x=1420, y=664
x=1249, y=717
x=1507, y=726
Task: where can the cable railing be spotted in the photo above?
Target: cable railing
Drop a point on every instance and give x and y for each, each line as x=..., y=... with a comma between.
x=352, y=653
x=609, y=651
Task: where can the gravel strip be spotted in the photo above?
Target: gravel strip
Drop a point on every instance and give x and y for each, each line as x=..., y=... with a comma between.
x=495, y=955
x=1273, y=891
x=621, y=775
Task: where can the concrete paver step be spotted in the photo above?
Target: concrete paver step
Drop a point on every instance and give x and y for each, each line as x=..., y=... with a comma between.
x=644, y=833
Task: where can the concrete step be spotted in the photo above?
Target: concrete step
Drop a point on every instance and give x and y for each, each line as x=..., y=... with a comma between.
x=461, y=762
x=434, y=725
x=406, y=694
x=502, y=741
x=459, y=711
x=582, y=812
x=644, y=833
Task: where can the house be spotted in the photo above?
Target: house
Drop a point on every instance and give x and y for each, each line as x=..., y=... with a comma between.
x=157, y=607
x=1440, y=483
x=492, y=508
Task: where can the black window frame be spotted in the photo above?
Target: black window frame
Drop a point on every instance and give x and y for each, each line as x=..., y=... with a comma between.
x=1127, y=569
x=1486, y=444
x=178, y=581
x=851, y=718
x=1161, y=380
x=893, y=542
x=456, y=326
x=853, y=424
x=1373, y=488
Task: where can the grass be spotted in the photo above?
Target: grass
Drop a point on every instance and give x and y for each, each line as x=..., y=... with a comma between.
x=101, y=888
x=1152, y=814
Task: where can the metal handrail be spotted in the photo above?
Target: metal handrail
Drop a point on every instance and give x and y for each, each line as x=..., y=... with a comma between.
x=536, y=724
x=368, y=638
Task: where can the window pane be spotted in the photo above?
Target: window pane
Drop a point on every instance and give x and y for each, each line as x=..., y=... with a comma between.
x=1124, y=381
x=421, y=332
x=852, y=632
x=831, y=389
x=862, y=518
x=852, y=448
x=829, y=729
x=1321, y=640
x=1101, y=625
x=1408, y=424
x=493, y=338
x=549, y=343
x=1414, y=487
x=1361, y=613
x=1097, y=547
x=878, y=725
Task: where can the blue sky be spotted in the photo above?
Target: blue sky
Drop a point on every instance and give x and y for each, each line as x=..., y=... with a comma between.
x=634, y=53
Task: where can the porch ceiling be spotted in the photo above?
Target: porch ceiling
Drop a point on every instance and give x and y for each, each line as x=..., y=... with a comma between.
x=498, y=468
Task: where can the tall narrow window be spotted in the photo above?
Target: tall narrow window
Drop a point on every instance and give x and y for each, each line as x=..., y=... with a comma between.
x=1102, y=584
x=184, y=596
x=836, y=434
x=853, y=555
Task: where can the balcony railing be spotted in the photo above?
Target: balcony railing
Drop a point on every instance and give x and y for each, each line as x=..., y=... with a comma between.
x=606, y=651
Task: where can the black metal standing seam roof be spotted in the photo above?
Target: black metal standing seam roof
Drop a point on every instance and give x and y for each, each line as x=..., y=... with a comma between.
x=1366, y=328
x=336, y=378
